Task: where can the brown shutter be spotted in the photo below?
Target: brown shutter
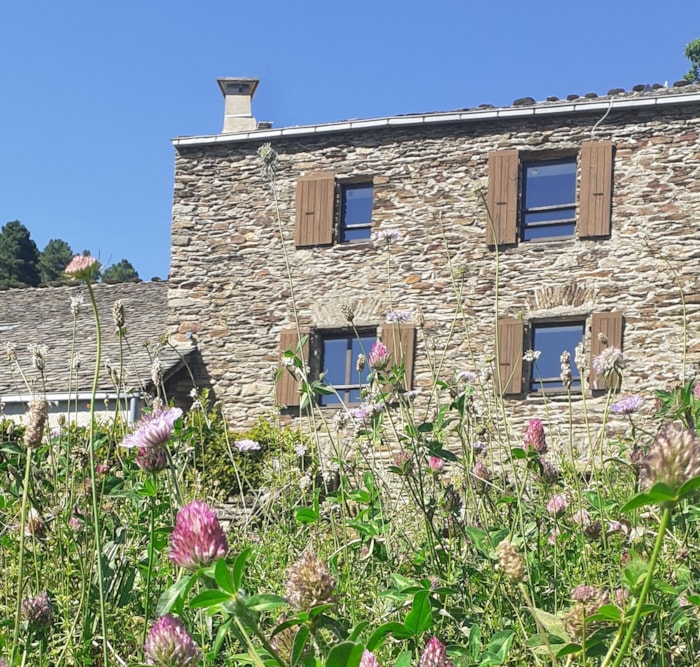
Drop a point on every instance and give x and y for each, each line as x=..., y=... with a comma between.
x=315, y=199
x=400, y=340
x=287, y=390
x=502, y=197
x=610, y=326
x=510, y=355
x=595, y=198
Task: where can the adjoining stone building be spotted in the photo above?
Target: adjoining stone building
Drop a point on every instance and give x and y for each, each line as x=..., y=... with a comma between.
x=50, y=348
x=595, y=231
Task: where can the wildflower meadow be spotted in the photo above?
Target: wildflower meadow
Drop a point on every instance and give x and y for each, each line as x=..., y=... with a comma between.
x=406, y=529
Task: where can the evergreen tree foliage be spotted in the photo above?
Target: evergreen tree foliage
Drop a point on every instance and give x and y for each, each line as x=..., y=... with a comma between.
x=53, y=260
x=121, y=272
x=19, y=256
x=692, y=53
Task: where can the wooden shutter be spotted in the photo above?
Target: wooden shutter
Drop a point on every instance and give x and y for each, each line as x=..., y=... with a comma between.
x=610, y=326
x=287, y=390
x=595, y=197
x=315, y=200
x=502, y=198
x=510, y=355
x=400, y=341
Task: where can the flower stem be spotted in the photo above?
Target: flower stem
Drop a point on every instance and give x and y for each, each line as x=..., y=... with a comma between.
x=151, y=539
x=663, y=526
x=20, y=566
x=93, y=485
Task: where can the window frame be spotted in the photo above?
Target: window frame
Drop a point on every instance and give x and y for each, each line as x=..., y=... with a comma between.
x=344, y=187
x=345, y=389
x=593, y=194
x=539, y=386
x=524, y=211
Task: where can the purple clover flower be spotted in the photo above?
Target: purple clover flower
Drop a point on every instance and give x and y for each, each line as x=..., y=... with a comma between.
x=378, y=355
x=434, y=655
x=368, y=659
x=198, y=538
x=557, y=504
x=38, y=611
x=152, y=433
x=534, y=437
x=628, y=405
x=169, y=644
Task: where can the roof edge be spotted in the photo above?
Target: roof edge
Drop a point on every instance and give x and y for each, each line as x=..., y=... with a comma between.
x=584, y=105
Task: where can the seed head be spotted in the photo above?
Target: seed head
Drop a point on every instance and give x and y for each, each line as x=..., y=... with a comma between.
x=309, y=583
x=38, y=414
x=511, y=562
x=37, y=611
x=118, y=315
x=673, y=458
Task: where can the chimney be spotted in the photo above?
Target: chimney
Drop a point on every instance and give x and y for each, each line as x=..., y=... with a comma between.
x=238, y=94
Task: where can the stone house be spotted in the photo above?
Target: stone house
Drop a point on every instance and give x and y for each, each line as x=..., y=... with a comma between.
x=49, y=347
x=537, y=226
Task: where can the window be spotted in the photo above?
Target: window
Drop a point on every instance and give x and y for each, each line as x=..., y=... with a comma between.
x=532, y=199
x=339, y=353
x=335, y=351
x=316, y=215
x=355, y=211
x=551, y=339
x=548, y=199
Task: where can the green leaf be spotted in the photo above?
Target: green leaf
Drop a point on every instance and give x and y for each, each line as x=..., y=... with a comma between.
x=265, y=602
x=239, y=567
x=222, y=576
x=345, y=654
x=608, y=612
x=688, y=488
x=398, y=630
x=358, y=630
x=404, y=660
x=306, y=515
x=500, y=644
x=299, y=644
x=220, y=636
x=208, y=599
x=569, y=649
x=171, y=595
x=551, y=623
x=518, y=453
x=420, y=618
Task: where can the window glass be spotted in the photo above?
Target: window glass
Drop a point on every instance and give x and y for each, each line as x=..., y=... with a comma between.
x=339, y=362
x=549, y=199
x=356, y=211
x=551, y=340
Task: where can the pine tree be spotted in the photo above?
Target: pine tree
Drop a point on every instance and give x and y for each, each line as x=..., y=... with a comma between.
x=19, y=256
x=53, y=260
x=121, y=272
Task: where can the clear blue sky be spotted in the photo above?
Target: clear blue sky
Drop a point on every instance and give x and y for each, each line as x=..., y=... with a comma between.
x=93, y=91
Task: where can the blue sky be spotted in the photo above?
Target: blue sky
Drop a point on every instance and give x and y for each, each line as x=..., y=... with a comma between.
x=92, y=92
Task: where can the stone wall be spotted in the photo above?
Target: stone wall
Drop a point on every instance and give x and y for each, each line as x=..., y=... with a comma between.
x=229, y=286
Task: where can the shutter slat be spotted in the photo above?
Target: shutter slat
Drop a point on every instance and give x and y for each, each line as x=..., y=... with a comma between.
x=400, y=341
x=595, y=198
x=287, y=389
x=610, y=325
x=502, y=197
x=314, y=209
x=510, y=355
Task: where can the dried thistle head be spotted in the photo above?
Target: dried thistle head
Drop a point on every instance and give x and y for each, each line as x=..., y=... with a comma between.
x=38, y=353
x=118, y=315
x=511, y=562
x=673, y=458
x=309, y=582
x=38, y=415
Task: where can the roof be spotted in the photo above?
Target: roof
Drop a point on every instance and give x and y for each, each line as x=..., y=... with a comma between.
x=43, y=317
x=640, y=97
